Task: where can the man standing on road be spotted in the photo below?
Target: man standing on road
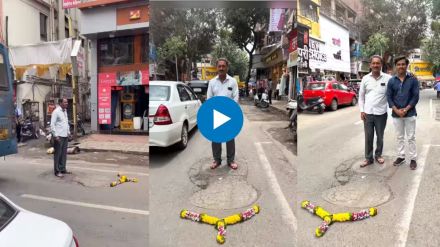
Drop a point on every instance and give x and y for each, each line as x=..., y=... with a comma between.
x=18, y=118
x=403, y=95
x=269, y=88
x=59, y=124
x=437, y=87
x=223, y=85
x=373, y=107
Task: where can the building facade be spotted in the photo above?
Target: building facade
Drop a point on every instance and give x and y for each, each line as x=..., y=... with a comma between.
x=118, y=38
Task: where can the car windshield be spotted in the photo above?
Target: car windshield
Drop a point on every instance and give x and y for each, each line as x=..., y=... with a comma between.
x=159, y=93
x=7, y=213
x=315, y=86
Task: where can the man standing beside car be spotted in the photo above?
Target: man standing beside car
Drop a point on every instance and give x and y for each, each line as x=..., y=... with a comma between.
x=403, y=95
x=373, y=107
x=59, y=124
x=223, y=85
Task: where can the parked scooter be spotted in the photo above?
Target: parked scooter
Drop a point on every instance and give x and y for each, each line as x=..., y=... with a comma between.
x=292, y=108
x=263, y=102
x=80, y=126
x=313, y=104
x=28, y=130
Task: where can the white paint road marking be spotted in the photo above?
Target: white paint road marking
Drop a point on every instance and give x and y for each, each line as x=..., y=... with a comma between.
x=359, y=122
x=87, y=205
x=405, y=222
x=286, y=213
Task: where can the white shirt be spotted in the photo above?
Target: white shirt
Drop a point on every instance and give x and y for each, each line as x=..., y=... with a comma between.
x=372, y=94
x=228, y=88
x=59, y=123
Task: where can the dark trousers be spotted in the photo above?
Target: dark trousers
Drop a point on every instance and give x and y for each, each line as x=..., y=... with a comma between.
x=270, y=96
x=438, y=94
x=60, y=155
x=230, y=151
x=371, y=124
x=18, y=130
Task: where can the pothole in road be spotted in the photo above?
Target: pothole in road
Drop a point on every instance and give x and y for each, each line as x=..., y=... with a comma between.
x=79, y=178
x=221, y=188
x=361, y=187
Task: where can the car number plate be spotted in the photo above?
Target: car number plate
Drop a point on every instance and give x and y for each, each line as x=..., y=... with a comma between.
x=198, y=90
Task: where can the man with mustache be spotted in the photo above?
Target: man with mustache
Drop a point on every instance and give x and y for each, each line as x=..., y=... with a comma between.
x=403, y=95
x=223, y=85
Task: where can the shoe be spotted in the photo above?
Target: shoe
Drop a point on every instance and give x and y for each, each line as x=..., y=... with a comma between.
x=215, y=164
x=66, y=172
x=59, y=174
x=413, y=165
x=398, y=161
x=233, y=165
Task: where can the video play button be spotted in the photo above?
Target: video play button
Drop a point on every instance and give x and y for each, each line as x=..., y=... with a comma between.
x=220, y=119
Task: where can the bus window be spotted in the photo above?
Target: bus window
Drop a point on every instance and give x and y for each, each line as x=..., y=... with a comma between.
x=4, y=84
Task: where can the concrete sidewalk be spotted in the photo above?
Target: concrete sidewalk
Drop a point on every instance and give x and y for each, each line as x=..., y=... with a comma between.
x=279, y=105
x=115, y=143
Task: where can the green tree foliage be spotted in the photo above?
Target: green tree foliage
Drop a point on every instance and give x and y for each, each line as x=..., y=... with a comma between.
x=238, y=58
x=431, y=46
x=243, y=24
x=403, y=22
x=377, y=44
x=172, y=48
x=435, y=9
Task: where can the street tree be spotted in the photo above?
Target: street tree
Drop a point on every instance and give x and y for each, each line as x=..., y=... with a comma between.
x=431, y=46
x=174, y=49
x=403, y=22
x=377, y=44
x=243, y=23
x=238, y=58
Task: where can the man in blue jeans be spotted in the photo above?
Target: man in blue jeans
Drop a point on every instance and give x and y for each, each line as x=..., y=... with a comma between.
x=402, y=96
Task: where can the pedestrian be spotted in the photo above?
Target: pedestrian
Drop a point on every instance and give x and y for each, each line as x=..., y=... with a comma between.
x=437, y=87
x=18, y=119
x=260, y=89
x=403, y=95
x=269, y=86
x=373, y=107
x=277, y=91
x=59, y=124
x=223, y=85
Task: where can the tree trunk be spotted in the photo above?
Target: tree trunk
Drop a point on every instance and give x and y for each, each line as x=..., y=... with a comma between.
x=248, y=74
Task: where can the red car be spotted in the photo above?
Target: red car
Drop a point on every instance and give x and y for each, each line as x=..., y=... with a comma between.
x=333, y=93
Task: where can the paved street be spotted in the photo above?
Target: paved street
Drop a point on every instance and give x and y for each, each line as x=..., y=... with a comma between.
x=266, y=176
x=99, y=215
x=331, y=148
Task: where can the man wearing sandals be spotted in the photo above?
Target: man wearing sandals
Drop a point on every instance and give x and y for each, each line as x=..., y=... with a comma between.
x=373, y=107
x=223, y=85
x=403, y=95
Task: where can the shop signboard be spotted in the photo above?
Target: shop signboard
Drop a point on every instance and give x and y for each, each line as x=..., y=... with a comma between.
x=128, y=78
x=67, y=4
x=105, y=81
x=302, y=48
x=145, y=77
x=317, y=55
x=337, y=46
x=293, y=59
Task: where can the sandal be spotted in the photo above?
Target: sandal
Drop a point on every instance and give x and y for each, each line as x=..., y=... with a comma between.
x=380, y=160
x=215, y=164
x=366, y=163
x=233, y=165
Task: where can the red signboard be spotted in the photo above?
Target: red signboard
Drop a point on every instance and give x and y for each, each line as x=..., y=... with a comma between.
x=145, y=77
x=67, y=4
x=106, y=80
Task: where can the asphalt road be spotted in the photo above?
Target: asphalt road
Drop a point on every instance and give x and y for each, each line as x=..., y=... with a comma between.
x=266, y=176
x=98, y=215
x=331, y=148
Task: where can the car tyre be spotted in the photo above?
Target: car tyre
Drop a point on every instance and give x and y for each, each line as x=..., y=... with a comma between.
x=334, y=105
x=353, y=101
x=320, y=110
x=183, y=137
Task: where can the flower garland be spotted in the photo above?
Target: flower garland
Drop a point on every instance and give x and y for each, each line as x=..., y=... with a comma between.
x=328, y=218
x=123, y=179
x=220, y=224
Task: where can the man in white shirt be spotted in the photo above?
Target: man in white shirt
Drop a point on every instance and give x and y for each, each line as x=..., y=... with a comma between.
x=373, y=107
x=59, y=125
x=223, y=85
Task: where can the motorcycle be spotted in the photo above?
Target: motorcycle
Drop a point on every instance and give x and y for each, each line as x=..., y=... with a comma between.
x=292, y=108
x=313, y=104
x=80, y=126
x=263, y=102
x=28, y=130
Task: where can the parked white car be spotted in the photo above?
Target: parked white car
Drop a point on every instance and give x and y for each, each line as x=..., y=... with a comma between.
x=22, y=228
x=173, y=113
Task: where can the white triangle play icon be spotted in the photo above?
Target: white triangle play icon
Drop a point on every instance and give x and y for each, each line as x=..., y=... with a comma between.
x=220, y=119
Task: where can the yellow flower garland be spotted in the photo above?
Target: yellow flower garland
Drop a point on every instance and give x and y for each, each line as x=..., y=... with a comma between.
x=220, y=224
x=123, y=179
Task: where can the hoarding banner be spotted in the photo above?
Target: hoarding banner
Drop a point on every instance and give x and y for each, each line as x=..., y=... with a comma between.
x=105, y=81
x=275, y=19
x=67, y=4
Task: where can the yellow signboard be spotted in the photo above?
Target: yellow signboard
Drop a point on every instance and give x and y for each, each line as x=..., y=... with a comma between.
x=208, y=73
x=421, y=68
